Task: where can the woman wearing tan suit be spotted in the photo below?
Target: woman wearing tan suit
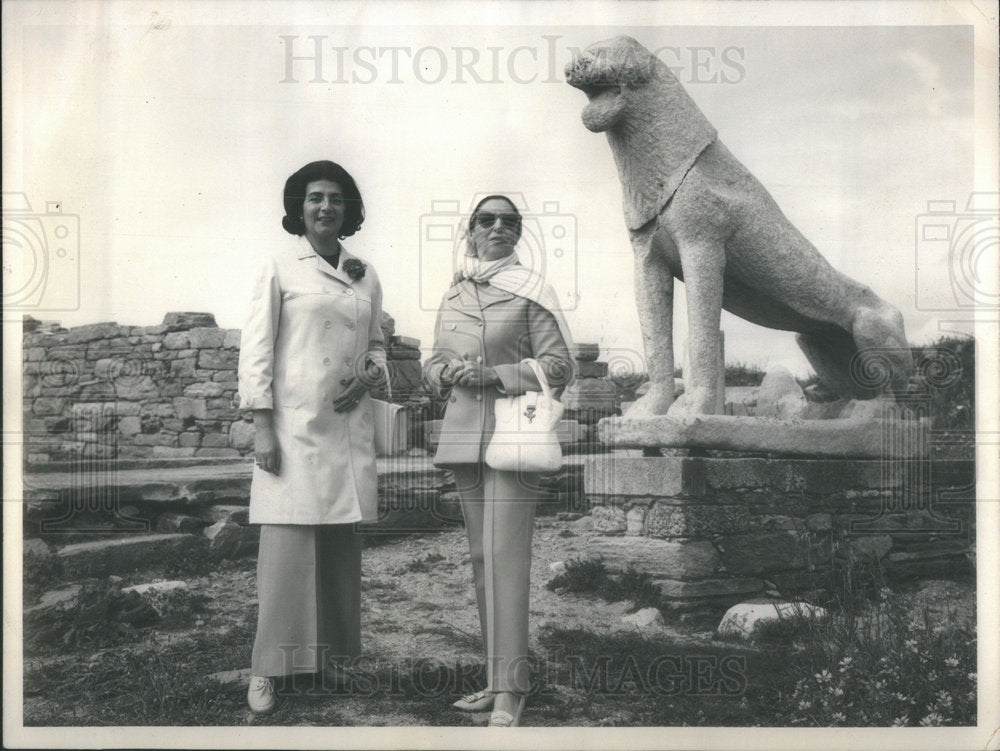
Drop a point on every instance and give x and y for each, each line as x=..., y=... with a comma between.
x=497, y=314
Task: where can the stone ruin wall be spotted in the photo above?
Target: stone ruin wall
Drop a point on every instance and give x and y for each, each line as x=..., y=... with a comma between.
x=106, y=391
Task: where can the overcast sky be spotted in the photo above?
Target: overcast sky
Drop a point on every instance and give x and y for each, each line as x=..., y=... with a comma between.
x=171, y=141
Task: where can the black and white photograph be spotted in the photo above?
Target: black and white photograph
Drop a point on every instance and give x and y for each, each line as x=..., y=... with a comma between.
x=501, y=375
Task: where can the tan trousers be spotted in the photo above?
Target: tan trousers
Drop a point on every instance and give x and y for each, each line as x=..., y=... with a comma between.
x=499, y=511
x=309, y=595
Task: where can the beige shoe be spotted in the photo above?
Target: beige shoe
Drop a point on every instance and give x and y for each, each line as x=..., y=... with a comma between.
x=477, y=702
x=501, y=719
x=260, y=694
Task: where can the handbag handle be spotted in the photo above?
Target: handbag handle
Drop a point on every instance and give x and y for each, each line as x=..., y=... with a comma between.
x=540, y=375
x=388, y=382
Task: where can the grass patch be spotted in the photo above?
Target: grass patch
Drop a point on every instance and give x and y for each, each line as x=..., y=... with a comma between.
x=165, y=685
x=880, y=664
x=104, y=616
x=592, y=576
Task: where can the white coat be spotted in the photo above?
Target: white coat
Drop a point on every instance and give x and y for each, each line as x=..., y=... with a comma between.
x=309, y=327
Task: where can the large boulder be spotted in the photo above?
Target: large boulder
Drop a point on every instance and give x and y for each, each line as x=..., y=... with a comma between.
x=747, y=619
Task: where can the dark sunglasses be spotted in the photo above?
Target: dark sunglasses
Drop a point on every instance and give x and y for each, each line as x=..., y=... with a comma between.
x=486, y=219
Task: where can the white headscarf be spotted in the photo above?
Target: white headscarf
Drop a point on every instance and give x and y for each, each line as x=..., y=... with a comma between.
x=508, y=274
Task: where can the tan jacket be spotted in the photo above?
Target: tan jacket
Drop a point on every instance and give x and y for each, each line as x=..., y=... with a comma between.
x=483, y=323
x=309, y=327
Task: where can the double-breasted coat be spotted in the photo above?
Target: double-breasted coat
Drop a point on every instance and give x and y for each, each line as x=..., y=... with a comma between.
x=499, y=329
x=310, y=327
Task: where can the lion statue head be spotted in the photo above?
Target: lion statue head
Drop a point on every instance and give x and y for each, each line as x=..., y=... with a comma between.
x=655, y=129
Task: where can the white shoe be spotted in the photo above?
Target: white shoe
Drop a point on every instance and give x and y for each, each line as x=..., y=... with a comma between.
x=501, y=719
x=260, y=694
x=477, y=702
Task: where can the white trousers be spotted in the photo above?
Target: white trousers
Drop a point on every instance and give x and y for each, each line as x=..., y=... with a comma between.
x=499, y=511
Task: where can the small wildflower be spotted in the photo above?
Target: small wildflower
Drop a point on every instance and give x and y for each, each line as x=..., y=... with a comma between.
x=944, y=700
x=900, y=722
x=837, y=717
x=931, y=720
x=972, y=677
x=932, y=676
x=951, y=662
x=823, y=677
x=899, y=697
x=838, y=692
x=910, y=644
x=804, y=705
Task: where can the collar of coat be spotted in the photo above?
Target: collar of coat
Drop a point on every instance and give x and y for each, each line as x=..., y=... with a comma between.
x=308, y=254
x=470, y=298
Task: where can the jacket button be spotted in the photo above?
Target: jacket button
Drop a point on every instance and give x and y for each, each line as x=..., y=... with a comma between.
x=451, y=326
x=479, y=358
x=479, y=397
x=479, y=323
x=348, y=361
x=348, y=291
x=327, y=324
x=326, y=360
x=350, y=325
x=453, y=399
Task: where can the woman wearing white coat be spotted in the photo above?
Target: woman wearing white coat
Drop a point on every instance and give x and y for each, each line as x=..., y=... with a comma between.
x=310, y=350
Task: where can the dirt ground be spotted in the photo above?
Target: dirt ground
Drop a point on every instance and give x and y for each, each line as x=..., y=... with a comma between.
x=422, y=650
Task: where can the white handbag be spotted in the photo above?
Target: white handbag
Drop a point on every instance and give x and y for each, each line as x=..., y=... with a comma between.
x=391, y=423
x=524, y=439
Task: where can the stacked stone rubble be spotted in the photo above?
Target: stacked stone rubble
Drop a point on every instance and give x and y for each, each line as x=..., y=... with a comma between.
x=106, y=391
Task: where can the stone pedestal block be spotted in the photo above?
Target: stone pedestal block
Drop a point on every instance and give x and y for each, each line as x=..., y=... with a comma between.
x=714, y=531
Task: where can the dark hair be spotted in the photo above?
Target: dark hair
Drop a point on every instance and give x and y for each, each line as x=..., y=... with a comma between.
x=295, y=195
x=472, y=217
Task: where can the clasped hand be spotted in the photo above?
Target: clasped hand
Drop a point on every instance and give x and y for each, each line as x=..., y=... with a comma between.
x=468, y=373
x=355, y=388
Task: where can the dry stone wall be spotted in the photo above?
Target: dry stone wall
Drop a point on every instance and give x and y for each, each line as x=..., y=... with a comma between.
x=106, y=391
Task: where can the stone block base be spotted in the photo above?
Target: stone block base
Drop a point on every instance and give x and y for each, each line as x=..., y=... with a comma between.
x=714, y=531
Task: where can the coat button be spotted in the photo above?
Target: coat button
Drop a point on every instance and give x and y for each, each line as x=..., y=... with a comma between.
x=453, y=399
x=348, y=291
x=350, y=325
x=451, y=326
x=326, y=360
x=479, y=397
x=348, y=361
x=479, y=323
x=479, y=358
x=327, y=324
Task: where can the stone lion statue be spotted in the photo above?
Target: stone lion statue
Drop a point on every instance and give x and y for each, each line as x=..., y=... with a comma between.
x=694, y=212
